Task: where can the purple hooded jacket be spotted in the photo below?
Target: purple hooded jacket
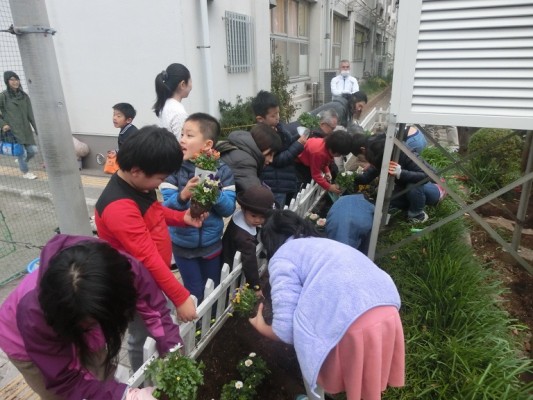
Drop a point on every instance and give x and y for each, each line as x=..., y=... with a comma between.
x=25, y=335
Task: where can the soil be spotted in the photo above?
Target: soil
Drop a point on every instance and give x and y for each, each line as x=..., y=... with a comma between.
x=238, y=338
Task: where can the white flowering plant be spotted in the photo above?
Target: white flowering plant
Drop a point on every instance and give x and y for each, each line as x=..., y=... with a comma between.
x=206, y=191
x=175, y=376
x=320, y=223
x=253, y=370
x=345, y=180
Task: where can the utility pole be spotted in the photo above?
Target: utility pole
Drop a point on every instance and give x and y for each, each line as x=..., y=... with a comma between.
x=35, y=40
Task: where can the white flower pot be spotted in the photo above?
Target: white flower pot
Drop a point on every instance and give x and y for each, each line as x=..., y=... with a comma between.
x=203, y=173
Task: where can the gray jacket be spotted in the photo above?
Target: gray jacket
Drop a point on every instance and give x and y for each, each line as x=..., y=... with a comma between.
x=243, y=157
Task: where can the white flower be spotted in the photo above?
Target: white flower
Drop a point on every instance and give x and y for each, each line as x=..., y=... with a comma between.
x=343, y=173
x=349, y=173
x=238, y=385
x=321, y=222
x=313, y=217
x=252, y=355
x=248, y=363
x=206, y=190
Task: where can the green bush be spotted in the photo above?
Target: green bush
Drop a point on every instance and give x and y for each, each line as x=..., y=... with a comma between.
x=495, y=156
x=280, y=87
x=236, y=116
x=309, y=120
x=373, y=85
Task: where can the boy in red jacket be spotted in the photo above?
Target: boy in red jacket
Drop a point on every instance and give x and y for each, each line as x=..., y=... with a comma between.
x=129, y=216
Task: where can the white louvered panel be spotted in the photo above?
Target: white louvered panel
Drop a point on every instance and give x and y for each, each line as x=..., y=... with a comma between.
x=472, y=63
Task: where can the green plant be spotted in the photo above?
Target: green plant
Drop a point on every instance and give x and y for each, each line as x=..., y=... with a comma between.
x=309, y=120
x=345, y=180
x=237, y=390
x=243, y=301
x=236, y=116
x=175, y=376
x=206, y=159
x=253, y=369
x=280, y=88
x=495, y=156
x=206, y=191
x=373, y=84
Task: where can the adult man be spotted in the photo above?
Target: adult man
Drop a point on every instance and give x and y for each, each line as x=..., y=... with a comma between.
x=328, y=123
x=344, y=82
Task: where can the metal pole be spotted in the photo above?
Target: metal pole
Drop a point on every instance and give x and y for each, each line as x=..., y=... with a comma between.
x=30, y=20
x=205, y=49
x=524, y=196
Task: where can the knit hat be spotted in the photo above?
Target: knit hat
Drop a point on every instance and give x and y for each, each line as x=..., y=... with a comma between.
x=258, y=199
x=8, y=75
x=265, y=138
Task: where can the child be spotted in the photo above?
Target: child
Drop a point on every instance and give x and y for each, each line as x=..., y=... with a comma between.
x=318, y=155
x=172, y=86
x=241, y=234
x=280, y=175
x=336, y=306
x=407, y=174
x=197, y=250
x=247, y=153
x=62, y=327
x=130, y=218
x=123, y=114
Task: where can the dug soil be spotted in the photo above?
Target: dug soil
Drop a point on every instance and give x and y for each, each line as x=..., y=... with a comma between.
x=238, y=338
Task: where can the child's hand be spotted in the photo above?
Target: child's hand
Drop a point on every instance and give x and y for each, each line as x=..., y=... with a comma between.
x=196, y=222
x=334, y=189
x=303, y=139
x=187, y=311
x=258, y=322
x=395, y=169
x=328, y=176
x=185, y=194
x=259, y=294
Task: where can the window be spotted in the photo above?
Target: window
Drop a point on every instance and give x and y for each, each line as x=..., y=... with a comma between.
x=359, y=43
x=290, y=35
x=238, y=42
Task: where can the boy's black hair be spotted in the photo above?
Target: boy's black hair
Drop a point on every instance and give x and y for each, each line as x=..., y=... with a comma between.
x=360, y=96
x=126, y=109
x=339, y=142
x=152, y=149
x=266, y=138
x=374, y=150
x=263, y=102
x=96, y=282
x=359, y=140
x=209, y=126
x=281, y=225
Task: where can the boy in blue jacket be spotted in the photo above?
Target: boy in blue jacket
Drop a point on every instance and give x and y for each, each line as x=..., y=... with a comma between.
x=197, y=251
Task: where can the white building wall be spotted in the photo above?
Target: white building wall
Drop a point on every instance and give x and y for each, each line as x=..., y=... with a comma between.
x=111, y=51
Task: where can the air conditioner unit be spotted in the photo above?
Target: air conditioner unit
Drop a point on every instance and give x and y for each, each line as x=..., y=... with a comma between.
x=326, y=75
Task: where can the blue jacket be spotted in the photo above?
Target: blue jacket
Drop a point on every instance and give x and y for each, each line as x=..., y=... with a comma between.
x=280, y=176
x=212, y=228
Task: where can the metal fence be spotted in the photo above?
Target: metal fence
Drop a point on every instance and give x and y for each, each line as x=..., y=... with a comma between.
x=27, y=215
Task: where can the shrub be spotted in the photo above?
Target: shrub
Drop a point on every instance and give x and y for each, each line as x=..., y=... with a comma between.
x=373, y=84
x=280, y=87
x=309, y=120
x=495, y=156
x=236, y=116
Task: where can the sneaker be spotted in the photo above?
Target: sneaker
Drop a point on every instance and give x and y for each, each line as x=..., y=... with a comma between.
x=422, y=217
x=29, y=175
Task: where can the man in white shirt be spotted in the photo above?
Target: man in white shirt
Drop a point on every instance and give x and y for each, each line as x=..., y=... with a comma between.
x=344, y=82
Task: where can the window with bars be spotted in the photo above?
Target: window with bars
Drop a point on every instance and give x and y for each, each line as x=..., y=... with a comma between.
x=336, y=43
x=358, y=43
x=239, y=42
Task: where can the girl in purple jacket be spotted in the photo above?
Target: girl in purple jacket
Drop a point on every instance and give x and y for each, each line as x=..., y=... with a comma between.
x=62, y=327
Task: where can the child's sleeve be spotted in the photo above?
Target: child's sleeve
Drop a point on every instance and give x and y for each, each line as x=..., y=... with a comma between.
x=171, y=194
x=316, y=166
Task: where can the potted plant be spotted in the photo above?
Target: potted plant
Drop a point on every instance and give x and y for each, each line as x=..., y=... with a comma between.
x=204, y=195
x=206, y=163
x=345, y=180
x=253, y=370
x=320, y=223
x=175, y=376
x=243, y=301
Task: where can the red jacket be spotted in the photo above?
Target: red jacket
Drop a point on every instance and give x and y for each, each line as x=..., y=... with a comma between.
x=317, y=158
x=135, y=222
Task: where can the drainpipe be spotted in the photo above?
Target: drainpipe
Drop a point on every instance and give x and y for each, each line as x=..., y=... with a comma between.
x=327, y=37
x=205, y=49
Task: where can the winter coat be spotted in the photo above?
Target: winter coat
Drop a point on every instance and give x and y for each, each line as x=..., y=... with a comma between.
x=212, y=228
x=244, y=158
x=341, y=107
x=26, y=336
x=16, y=111
x=280, y=176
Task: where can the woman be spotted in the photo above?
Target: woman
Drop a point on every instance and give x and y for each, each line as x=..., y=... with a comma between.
x=336, y=306
x=62, y=327
x=348, y=108
x=16, y=115
x=172, y=86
